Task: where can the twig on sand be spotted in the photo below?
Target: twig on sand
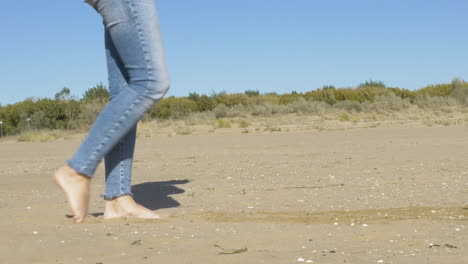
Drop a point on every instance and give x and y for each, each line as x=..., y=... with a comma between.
x=230, y=251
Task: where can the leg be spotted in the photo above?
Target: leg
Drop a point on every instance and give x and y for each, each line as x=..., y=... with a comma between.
x=134, y=30
x=118, y=164
x=76, y=188
x=118, y=167
x=119, y=160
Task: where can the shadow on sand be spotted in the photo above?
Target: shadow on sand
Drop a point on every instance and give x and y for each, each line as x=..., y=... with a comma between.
x=154, y=195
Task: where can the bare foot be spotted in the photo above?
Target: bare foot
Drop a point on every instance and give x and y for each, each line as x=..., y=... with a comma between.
x=125, y=206
x=76, y=188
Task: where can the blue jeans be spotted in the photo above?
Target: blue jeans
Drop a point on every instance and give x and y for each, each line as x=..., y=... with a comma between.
x=138, y=78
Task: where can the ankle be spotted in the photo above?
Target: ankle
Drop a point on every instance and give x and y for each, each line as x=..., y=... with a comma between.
x=69, y=171
x=121, y=201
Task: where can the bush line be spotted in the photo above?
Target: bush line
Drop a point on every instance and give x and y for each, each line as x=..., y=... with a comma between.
x=67, y=112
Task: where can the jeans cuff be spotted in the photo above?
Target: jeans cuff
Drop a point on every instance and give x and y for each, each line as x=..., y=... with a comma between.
x=72, y=165
x=112, y=197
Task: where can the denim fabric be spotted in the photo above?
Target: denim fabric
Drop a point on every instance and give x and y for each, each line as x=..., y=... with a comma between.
x=138, y=78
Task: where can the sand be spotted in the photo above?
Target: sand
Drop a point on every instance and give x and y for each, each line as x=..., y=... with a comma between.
x=376, y=195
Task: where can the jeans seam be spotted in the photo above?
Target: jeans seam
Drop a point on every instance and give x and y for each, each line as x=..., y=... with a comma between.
x=121, y=166
x=140, y=37
x=114, y=127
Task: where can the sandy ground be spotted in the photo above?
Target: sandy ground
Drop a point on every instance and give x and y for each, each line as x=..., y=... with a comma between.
x=377, y=195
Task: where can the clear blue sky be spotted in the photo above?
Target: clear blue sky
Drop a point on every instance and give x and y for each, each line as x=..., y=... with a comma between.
x=235, y=45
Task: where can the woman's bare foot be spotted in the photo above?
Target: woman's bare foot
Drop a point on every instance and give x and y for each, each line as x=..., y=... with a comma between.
x=125, y=206
x=76, y=188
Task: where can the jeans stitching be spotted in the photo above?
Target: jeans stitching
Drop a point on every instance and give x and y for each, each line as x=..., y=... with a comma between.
x=112, y=130
x=121, y=145
x=112, y=197
x=140, y=37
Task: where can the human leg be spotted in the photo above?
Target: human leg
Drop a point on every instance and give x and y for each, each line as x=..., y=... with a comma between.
x=134, y=30
x=119, y=160
x=76, y=188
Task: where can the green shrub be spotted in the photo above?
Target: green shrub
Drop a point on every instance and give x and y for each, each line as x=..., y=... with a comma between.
x=63, y=95
x=403, y=93
x=233, y=99
x=194, y=97
x=270, y=98
x=173, y=107
x=64, y=112
x=38, y=114
x=348, y=94
x=205, y=103
x=369, y=93
x=286, y=99
x=215, y=95
x=326, y=96
x=365, y=92
x=435, y=90
x=328, y=87
x=252, y=93
x=372, y=83
x=98, y=92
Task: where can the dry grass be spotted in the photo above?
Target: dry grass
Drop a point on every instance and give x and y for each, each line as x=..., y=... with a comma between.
x=41, y=135
x=333, y=119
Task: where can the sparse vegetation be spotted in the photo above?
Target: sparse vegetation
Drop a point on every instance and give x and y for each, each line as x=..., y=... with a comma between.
x=368, y=102
x=39, y=136
x=223, y=123
x=244, y=123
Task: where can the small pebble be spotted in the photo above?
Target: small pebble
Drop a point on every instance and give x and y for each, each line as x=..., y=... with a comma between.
x=300, y=259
